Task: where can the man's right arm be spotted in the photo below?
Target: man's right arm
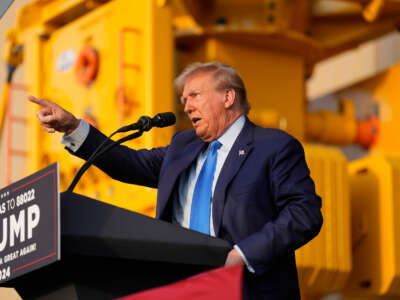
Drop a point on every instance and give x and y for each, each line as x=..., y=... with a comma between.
x=121, y=163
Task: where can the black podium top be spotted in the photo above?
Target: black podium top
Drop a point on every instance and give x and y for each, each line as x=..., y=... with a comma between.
x=90, y=227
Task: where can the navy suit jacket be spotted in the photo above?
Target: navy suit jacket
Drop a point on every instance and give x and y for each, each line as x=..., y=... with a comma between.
x=264, y=200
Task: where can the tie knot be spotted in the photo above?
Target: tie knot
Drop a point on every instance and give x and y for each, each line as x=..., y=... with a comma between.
x=215, y=145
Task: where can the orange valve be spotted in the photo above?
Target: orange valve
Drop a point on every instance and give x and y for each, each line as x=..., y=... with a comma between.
x=367, y=132
x=87, y=65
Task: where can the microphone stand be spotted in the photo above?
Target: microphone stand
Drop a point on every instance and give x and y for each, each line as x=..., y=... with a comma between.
x=99, y=152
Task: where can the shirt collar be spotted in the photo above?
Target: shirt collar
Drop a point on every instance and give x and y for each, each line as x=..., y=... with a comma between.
x=230, y=135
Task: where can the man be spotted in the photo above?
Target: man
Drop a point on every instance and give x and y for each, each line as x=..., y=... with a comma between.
x=227, y=177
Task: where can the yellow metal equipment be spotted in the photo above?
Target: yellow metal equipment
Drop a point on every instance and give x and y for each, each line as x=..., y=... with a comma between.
x=13, y=58
x=342, y=128
x=111, y=61
x=325, y=263
x=385, y=89
x=133, y=79
x=328, y=127
x=375, y=194
x=3, y=106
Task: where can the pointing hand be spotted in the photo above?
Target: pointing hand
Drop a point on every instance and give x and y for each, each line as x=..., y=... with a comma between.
x=53, y=117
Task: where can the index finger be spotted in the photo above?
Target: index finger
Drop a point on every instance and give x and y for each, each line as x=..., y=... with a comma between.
x=41, y=102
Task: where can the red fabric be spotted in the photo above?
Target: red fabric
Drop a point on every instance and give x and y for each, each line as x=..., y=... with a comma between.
x=218, y=284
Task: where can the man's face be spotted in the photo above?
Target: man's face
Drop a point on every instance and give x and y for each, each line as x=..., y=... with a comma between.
x=206, y=107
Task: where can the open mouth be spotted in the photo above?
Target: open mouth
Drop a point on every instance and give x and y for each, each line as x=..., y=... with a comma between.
x=195, y=120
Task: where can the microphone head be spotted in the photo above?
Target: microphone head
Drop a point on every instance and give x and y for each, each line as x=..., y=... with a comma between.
x=163, y=119
x=145, y=123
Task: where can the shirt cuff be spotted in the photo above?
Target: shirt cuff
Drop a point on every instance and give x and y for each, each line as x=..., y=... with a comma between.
x=249, y=267
x=75, y=139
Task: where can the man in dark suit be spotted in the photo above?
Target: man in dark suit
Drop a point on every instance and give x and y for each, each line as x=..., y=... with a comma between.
x=227, y=177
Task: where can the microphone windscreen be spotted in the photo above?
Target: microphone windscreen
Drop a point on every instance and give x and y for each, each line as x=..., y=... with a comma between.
x=164, y=119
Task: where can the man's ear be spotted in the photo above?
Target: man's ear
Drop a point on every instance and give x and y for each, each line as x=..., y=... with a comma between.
x=229, y=98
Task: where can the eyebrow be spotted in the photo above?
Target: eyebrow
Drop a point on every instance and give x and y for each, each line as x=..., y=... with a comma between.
x=191, y=92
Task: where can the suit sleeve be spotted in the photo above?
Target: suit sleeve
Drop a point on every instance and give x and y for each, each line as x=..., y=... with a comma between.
x=122, y=163
x=299, y=211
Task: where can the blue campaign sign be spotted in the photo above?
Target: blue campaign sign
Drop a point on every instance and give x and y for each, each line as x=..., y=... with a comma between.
x=30, y=223
x=4, y=5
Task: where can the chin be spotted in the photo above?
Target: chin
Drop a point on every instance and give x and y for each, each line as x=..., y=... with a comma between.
x=202, y=136
x=206, y=139
x=199, y=132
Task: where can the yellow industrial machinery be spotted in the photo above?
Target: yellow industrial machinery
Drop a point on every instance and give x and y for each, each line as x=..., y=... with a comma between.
x=111, y=61
x=132, y=79
x=376, y=205
x=325, y=263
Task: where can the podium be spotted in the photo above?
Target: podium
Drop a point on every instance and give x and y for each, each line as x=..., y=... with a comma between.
x=109, y=252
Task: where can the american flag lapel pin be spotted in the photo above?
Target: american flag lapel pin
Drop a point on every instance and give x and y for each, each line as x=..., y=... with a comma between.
x=241, y=152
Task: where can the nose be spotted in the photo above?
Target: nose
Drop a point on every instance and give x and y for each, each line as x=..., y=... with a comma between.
x=187, y=109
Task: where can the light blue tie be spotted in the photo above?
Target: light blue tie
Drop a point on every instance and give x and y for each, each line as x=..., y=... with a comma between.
x=201, y=202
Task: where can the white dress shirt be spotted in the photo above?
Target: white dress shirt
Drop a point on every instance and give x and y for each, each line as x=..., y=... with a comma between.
x=188, y=179
x=75, y=139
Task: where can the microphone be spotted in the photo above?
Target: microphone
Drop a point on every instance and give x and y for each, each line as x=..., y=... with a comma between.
x=163, y=119
x=145, y=123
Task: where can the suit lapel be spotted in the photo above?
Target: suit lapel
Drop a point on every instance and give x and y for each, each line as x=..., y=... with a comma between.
x=180, y=162
x=241, y=149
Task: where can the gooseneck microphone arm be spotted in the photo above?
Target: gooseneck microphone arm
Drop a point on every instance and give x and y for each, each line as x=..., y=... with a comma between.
x=98, y=153
x=144, y=124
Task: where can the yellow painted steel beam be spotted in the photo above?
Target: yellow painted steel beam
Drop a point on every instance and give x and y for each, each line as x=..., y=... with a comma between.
x=284, y=26
x=249, y=15
x=336, y=36
x=288, y=42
